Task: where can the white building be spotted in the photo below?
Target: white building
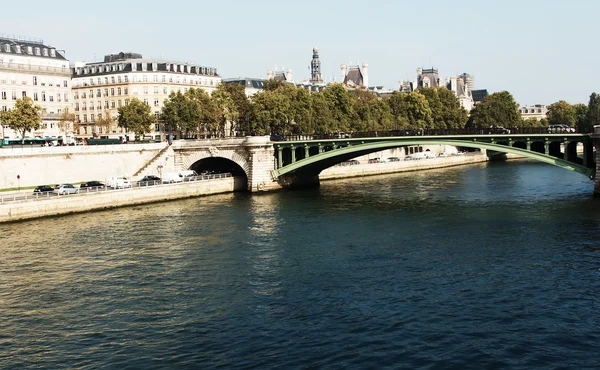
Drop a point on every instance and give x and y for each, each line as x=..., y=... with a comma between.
x=537, y=111
x=29, y=68
x=100, y=88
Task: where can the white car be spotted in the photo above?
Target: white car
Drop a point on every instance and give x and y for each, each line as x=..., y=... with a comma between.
x=64, y=189
x=118, y=182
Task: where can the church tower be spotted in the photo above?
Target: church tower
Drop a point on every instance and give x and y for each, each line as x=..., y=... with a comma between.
x=315, y=68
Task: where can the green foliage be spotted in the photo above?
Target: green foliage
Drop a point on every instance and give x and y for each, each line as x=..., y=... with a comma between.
x=179, y=112
x=226, y=110
x=581, y=119
x=498, y=109
x=562, y=112
x=593, y=112
x=271, y=84
x=136, y=117
x=205, y=112
x=23, y=117
x=341, y=107
x=242, y=104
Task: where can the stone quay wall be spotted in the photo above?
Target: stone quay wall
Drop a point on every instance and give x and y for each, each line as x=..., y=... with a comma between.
x=69, y=164
x=111, y=199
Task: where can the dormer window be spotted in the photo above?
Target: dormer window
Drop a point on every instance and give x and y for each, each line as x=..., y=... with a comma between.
x=144, y=67
x=45, y=52
x=37, y=51
x=53, y=53
x=121, y=67
x=155, y=67
x=18, y=49
x=29, y=50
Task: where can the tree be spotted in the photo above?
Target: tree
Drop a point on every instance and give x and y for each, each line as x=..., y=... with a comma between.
x=242, y=104
x=453, y=114
x=227, y=112
x=272, y=84
x=417, y=111
x=205, y=111
x=322, y=120
x=561, y=112
x=497, y=109
x=340, y=105
x=23, y=117
x=67, y=122
x=136, y=117
x=271, y=111
x=581, y=111
x=179, y=113
x=593, y=112
x=397, y=104
x=104, y=121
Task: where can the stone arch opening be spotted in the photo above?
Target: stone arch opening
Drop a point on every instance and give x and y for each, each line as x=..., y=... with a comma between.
x=216, y=165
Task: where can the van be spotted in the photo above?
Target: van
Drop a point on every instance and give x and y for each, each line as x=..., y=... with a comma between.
x=171, y=177
x=118, y=182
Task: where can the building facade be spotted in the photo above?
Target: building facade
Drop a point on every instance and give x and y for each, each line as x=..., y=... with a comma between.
x=537, y=111
x=29, y=68
x=101, y=88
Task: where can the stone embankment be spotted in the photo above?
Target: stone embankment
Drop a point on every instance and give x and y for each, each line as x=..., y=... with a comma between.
x=370, y=169
x=118, y=198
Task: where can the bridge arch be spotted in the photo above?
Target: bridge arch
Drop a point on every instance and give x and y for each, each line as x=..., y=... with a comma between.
x=221, y=161
x=313, y=165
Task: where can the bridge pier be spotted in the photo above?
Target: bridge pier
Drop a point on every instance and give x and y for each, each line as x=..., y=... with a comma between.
x=261, y=161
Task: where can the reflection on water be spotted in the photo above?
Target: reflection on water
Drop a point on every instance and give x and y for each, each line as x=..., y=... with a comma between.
x=484, y=266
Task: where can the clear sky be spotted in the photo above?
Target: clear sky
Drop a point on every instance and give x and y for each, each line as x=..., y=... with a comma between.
x=540, y=51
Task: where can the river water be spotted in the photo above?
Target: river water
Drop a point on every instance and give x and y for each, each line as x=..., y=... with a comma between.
x=484, y=266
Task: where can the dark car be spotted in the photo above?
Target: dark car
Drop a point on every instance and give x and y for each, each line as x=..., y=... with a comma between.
x=43, y=189
x=498, y=130
x=277, y=137
x=92, y=185
x=149, y=181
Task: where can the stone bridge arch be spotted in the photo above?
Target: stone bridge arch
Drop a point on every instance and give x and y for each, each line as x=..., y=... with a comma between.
x=189, y=158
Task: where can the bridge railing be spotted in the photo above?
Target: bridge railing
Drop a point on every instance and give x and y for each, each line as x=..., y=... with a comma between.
x=432, y=132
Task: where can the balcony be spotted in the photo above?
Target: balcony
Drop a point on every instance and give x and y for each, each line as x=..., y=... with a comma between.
x=63, y=71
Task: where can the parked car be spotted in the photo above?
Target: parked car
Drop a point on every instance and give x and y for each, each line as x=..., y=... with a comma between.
x=429, y=154
x=498, y=130
x=393, y=159
x=189, y=175
x=443, y=155
x=277, y=137
x=43, y=189
x=64, y=189
x=118, y=182
x=149, y=181
x=376, y=160
x=92, y=185
x=560, y=128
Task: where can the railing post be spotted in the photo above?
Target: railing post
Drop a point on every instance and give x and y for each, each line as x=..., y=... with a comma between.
x=528, y=144
x=293, y=154
x=547, y=146
x=306, y=150
x=565, y=148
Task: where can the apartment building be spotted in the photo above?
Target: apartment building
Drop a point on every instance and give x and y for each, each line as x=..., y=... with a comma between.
x=30, y=68
x=100, y=88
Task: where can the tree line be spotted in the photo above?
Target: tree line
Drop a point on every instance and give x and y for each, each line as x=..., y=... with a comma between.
x=287, y=109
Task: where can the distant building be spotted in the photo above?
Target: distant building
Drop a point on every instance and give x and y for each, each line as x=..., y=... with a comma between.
x=281, y=76
x=29, y=68
x=427, y=78
x=537, y=111
x=251, y=85
x=478, y=96
x=100, y=88
x=462, y=86
x=354, y=77
x=315, y=68
x=381, y=91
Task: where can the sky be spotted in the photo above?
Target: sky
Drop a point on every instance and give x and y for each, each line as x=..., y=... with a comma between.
x=540, y=51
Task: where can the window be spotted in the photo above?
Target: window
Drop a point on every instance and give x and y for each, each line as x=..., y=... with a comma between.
x=35, y=96
x=126, y=78
x=105, y=92
x=125, y=91
x=106, y=104
x=65, y=83
x=34, y=80
x=66, y=97
x=98, y=94
x=156, y=125
x=112, y=91
x=92, y=118
x=91, y=94
x=83, y=95
x=3, y=95
x=119, y=79
x=145, y=78
x=146, y=101
x=145, y=89
x=51, y=97
x=156, y=102
x=76, y=107
x=155, y=78
x=99, y=106
x=119, y=104
x=106, y=80
x=164, y=78
x=112, y=80
x=156, y=89
x=126, y=101
x=112, y=104
x=165, y=90
x=83, y=106
x=43, y=96
x=118, y=91
x=76, y=95
x=23, y=94
x=85, y=118
x=14, y=95
x=58, y=97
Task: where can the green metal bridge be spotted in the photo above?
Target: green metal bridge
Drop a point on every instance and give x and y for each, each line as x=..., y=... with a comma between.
x=309, y=155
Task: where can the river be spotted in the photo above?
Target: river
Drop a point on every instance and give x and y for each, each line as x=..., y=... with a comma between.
x=485, y=266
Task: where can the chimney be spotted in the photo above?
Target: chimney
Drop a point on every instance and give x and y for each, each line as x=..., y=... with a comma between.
x=419, y=71
x=343, y=67
x=269, y=75
x=365, y=73
x=288, y=76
